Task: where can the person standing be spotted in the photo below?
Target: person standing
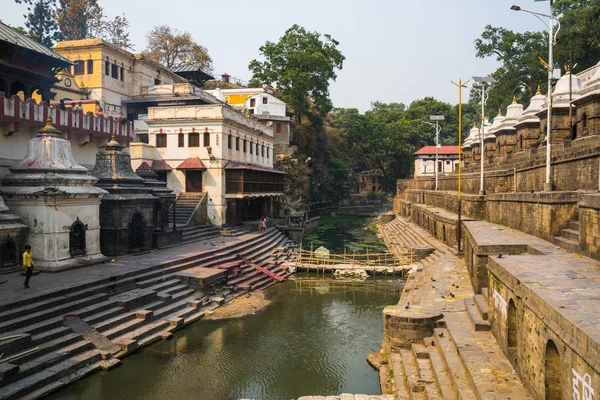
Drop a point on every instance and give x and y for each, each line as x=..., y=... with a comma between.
x=28, y=265
x=263, y=223
x=78, y=107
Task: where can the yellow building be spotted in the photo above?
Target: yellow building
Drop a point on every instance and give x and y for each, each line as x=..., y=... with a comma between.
x=108, y=74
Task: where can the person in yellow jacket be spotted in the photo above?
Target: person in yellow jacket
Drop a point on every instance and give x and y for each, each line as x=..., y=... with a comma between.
x=28, y=265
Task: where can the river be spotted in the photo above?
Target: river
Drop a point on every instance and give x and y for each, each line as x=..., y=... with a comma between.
x=312, y=339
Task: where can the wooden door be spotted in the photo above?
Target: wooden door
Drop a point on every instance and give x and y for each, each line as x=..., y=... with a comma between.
x=193, y=181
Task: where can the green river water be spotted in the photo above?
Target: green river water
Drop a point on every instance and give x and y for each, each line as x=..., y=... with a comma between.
x=313, y=339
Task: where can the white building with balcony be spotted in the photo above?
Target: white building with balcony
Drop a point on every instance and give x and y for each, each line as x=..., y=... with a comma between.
x=214, y=150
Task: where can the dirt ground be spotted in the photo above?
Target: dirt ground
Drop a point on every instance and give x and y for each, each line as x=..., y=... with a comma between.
x=244, y=305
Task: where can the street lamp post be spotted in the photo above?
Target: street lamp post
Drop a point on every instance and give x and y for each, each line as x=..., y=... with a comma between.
x=438, y=128
x=482, y=80
x=551, y=40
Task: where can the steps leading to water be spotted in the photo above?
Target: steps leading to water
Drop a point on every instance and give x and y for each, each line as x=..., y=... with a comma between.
x=164, y=304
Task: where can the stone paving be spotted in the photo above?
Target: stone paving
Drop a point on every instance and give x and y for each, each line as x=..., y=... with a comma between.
x=472, y=360
x=46, y=283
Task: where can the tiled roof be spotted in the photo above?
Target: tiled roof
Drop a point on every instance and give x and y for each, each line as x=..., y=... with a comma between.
x=443, y=150
x=9, y=35
x=192, y=163
x=161, y=165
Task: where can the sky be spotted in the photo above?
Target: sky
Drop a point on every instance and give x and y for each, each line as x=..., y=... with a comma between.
x=396, y=50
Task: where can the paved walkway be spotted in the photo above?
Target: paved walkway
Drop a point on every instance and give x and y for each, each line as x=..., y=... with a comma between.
x=44, y=283
x=442, y=285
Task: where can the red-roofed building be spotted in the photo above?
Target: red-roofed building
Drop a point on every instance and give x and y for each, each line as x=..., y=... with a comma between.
x=425, y=160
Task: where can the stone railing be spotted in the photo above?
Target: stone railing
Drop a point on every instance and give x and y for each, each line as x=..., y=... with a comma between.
x=14, y=110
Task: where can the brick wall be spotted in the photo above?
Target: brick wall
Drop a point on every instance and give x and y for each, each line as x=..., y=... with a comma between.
x=589, y=225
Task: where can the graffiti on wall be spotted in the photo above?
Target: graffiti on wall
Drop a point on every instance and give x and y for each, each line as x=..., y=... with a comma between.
x=500, y=303
x=582, y=386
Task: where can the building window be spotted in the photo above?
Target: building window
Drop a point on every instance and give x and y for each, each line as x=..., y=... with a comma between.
x=251, y=145
x=584, y=120
x=181, y=140
x=122, y=74
x=161, y=140
x=156, y=81
x=237, y=144
x=244, y=145
x=206, y=140
x=90, y=67
x=114, y=71
x=229, y=141
x=278, y=127
x=265, y=100
x=194, y=139
x=78, y=68
x=262, y=151
x=252, y=102
x=143, y=137
x=268, y=152
x=106, y=68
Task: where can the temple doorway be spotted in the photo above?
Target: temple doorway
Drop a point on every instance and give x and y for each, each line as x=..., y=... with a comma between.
x=193, y=181
x=136, y=233
x=8, y=253
x=77, y=245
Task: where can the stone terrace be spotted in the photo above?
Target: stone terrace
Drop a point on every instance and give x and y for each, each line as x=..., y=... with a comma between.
x=440, y=347
x=119, y=307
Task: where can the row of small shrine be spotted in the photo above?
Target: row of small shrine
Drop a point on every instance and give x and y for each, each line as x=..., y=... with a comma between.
x=71, y=216
x=575, y=114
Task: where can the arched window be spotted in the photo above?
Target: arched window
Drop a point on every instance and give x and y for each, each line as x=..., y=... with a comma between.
x=552, y=372
x=77, y=245
x=8, y=252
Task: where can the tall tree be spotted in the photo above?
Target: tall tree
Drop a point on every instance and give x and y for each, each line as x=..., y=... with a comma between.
x=302, y=65
x=75, y=16
x=39, y=21
x=521, y=70
x=170, y=48
x=579, y=33
x=117, y=32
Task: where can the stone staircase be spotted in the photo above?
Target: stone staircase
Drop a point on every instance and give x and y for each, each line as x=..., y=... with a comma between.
x=461, y=359
x=569, y=237
x=401, y=239
x=184, y=210
x=131, y=311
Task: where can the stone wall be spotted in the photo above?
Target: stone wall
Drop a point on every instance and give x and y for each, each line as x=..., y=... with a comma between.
x=549, y=351
x=589, y=225
x=442, y=226
x=473, y=206
x=540, y=214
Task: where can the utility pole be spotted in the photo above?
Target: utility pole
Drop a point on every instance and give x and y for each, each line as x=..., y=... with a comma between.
x=482, y=80
x=460, y=85
x=548, y=184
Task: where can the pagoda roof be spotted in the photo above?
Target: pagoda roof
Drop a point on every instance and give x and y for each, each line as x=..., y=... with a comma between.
x=10, y=35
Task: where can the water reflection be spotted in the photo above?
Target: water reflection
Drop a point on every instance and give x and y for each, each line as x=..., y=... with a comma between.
x=307, y=342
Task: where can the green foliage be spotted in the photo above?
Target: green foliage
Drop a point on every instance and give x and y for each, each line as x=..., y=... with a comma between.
x=301, y=65
x=579, y=33
x=296, y=184
x=39, y=21
x=254, y=83
x=171, y=48
x=386, y=136
x=521, y=71
x=74, y=17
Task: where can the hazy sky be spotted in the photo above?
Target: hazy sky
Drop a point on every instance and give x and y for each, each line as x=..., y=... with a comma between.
x=396, y=50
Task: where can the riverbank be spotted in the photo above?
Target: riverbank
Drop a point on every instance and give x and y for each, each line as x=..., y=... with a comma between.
x=242, y=306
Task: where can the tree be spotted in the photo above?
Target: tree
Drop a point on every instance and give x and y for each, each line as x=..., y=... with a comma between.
x=171, y=48
x=117, y=32
x=74, y=17
x=579, y=33
x=296, y=185
x=302, y=65
x=521, y=71
x=39, y=21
